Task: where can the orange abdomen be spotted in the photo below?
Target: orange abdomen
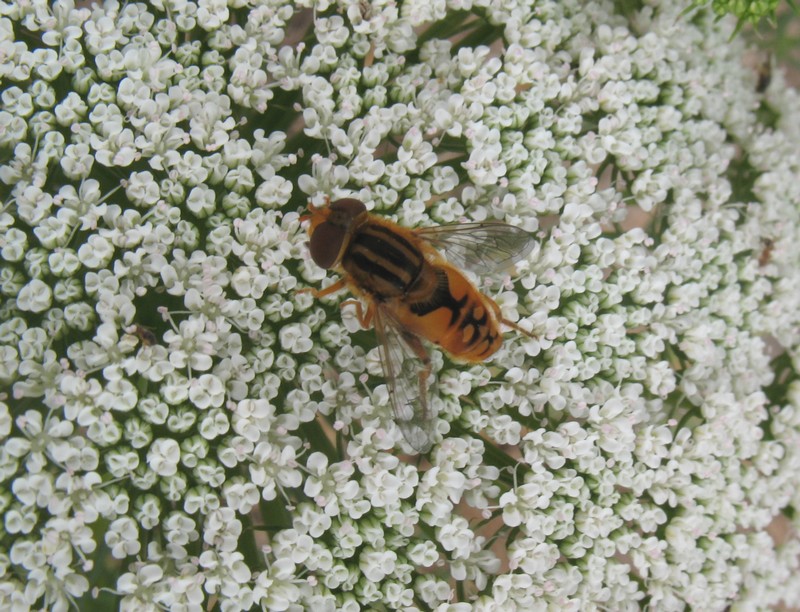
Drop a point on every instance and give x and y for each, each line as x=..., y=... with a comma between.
x=452, y=313
x=425, y=295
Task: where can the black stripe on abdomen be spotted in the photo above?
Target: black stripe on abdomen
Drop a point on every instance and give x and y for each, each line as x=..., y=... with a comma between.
x=441, y=297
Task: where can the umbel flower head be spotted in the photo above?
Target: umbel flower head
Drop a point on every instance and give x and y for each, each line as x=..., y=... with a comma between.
x=181, y=428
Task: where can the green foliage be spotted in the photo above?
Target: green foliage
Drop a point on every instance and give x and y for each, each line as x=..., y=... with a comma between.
x=779, y=38
x=747, y=11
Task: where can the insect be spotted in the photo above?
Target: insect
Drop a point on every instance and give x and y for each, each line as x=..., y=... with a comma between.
x=146, y=336
x=414, y=294
x=764, y=74
x=766, y=254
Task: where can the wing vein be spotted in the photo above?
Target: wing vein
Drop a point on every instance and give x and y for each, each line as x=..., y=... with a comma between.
x=483, y=248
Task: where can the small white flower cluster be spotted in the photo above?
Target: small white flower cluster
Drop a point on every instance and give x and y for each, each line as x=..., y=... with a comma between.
x=163, y=377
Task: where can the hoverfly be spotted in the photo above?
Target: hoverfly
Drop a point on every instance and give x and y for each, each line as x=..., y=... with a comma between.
x=413, y=294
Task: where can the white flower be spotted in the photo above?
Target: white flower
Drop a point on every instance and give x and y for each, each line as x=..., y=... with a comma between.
x=222, y=530
x=295, y=338
x=456, y=538
x=33, y=205
x=122, y=538
x=163, y=456
x=180, y=529
x=211, y=14
x=14, y=244
x=96, y=253
x=36, y=296
x=142, y=587
x=166, y=376
x=213, y=424
x=242, y=496
x=147, y=511
x=192, y=346
x=248, y=282
x=376, y=564
x=207, y=391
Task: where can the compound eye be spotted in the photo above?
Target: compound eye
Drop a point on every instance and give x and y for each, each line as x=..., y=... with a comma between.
x=325, y=244
x=348, y=207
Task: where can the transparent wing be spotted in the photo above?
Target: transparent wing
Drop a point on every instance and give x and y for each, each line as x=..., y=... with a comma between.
x=406, y=368
x=484, y=248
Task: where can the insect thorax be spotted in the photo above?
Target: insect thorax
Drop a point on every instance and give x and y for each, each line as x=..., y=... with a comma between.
x=382, y=262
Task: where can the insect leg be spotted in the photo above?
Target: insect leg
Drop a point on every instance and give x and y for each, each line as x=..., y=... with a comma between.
x=364, y=318
x=516, y=327
x=508, y=323
x=369, y=58
x=318, y=293
x=312, y=209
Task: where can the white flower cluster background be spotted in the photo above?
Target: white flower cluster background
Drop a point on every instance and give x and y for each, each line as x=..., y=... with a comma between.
x=181, y=428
